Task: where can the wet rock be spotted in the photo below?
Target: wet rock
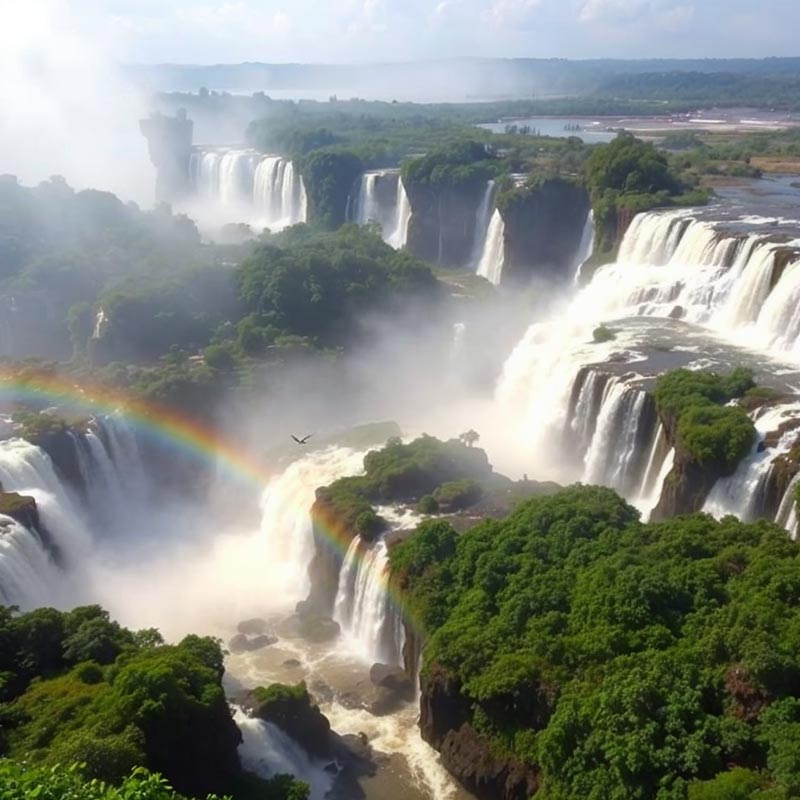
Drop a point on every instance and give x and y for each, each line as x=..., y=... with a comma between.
x=291, y=663
x=395, y=679
x=678, y=312
x=253, y=627
x=292, y=709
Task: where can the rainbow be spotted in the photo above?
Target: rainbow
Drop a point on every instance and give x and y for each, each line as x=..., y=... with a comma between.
x=180, y=432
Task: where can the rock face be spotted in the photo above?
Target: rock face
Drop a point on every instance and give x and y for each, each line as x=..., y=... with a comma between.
x=247, y=644
x=543, y=230
x=443, y=222
x=469, y=757
x=169, y=142
x=292, y=709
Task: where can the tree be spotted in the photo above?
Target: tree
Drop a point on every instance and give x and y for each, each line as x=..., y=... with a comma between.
x=470, y=438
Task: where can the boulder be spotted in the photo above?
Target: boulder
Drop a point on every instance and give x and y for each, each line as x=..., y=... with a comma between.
x=292, y=709
x=395, y=679
x=253, y=627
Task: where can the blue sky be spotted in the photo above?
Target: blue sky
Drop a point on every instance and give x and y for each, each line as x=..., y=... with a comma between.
x=210, y=31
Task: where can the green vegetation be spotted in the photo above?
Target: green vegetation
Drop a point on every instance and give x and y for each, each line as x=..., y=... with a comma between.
x=428, y=505
x=603, y=334
x=629, y=176
x=616, y=659
x=320, y=286
x=408, y=472
x=329, y=177
x=692, y=405
x=458, y=495
x=76, y=688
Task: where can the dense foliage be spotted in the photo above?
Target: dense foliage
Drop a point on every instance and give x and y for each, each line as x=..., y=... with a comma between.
x=693, y=405
x=619, y=660
x=79, y=689
x=408, y=472
x=323, y=286
x=630, y=176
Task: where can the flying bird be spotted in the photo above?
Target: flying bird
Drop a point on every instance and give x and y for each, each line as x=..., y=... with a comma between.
x=304, y=440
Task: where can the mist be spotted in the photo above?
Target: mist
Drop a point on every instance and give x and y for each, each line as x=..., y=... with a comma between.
x=65, y=106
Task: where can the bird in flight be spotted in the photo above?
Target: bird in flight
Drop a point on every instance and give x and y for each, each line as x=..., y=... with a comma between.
x=304, y=440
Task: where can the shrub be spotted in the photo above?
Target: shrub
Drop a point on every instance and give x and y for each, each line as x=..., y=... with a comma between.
x=603, y=334
x=428, y=505
x=458, y=495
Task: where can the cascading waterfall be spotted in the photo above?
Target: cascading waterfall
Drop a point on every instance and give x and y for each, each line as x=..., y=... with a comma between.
x=670, y=264
x=615, y=453
x=287, y=534
x=28, y=574
x=382, y=198
x=741, y=493
x=264, y=190
x=492, y=259
x=267, y=751
x=363, y=606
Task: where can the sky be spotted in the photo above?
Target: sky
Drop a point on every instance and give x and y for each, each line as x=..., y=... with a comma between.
x=343, y=31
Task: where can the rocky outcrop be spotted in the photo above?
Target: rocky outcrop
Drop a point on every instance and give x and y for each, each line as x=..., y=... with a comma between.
x=685, y=489
x=445, y=724
x=292, y=709
x=169, y=142
x=442, y=225
x=543, y=229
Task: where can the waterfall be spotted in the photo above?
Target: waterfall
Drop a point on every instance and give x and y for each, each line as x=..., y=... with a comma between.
x=363, y=607
x=382, y=199
x=397, y=238
x=492, y=259
x=287, y=534
x=586, y=246
x=787, y=511
x=28, y=470
x=740, y=494
x=28, y=575
x=263, y=190
x=617, y=449
x=267, y=751
x=482, y=222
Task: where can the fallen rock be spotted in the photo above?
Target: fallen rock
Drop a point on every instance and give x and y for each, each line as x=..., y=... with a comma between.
x=392, y=678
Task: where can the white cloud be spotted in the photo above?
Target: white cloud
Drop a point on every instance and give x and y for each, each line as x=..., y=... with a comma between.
x=510, y=13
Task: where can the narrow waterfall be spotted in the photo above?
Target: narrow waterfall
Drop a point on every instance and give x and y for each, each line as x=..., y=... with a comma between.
x=264, y=190
x=741, y=493
x=586, y=246
x=382, y=199
x=483, y=220
x=399, y=235
x=363, y=606
x=492, y=259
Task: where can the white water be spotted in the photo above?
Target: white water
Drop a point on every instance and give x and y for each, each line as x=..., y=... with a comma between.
x=28, y=576
x=267, y=751
x=483, y=219
x=241, y=185
x=492, y=259
x=382, y=199
x=738, y=495
x=286, y=543
x=669, y=263
x=586, y=246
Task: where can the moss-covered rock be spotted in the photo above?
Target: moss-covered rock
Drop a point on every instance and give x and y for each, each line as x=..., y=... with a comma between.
x=293, y=710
